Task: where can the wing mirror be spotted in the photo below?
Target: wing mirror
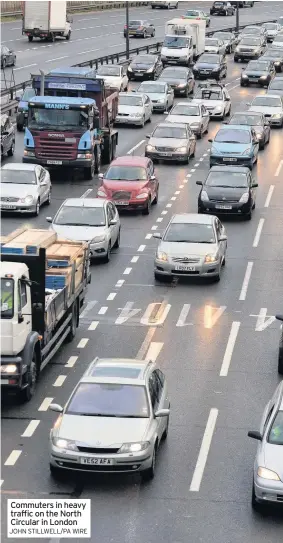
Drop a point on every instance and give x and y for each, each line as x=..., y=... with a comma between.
x=210, y=140
x=100, y=176
x=113, y=222
x=148, y=136
x=222, y=238
x=279, y=317
x=49, y=219
x=43, y=184
x=162, y=413
x=56, y=407
x=254, y=185
x=156, y=235
x=255, y=435
x=199, y=183
x=152, y=177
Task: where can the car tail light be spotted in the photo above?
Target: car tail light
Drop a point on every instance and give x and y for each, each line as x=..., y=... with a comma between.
x=125, y=26
x=140, y=28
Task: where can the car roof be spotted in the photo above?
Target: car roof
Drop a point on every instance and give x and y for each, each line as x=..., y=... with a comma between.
x=138, y=94
x=258, y=113
x=233, y=169
x=130, y=161
x=19, y=166
x=117, y=370
x=84, y=202
x=175, y=68
x=236, y=127
x=169, y=125
x=188, y=218
x=185, y=104
x=153, y=82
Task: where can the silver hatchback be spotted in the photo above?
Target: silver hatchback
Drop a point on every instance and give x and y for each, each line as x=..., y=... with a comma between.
x=114, y=420
x=192, y=246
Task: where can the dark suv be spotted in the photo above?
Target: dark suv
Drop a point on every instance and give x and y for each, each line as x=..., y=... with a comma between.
x=222, y=8
x=7, y=136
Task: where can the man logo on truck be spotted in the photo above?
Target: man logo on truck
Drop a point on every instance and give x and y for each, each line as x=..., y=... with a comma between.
x=56, y=106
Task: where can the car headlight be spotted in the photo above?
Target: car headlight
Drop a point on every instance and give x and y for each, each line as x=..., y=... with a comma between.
x=181, y=85
x=277, y=115
x=267, y=474
x=210, y=259
x=277, y=63
x=142, y=196
x=85, y=155
x=150, y=148
x=245, y=76
x=204, y=196
x=263, y=77
x=136, y=115
x=150, y=70
x=130, y=69
x=161, y=100
x=29, y=153
x=64, y=444
x=28, y=200
x=195, y=123
x=101, y=193
x=244, y=198
x=218, y=108
x=162, y=256
x=259, y=136
x=134, y=447
x=216, y=69
x=98, y=239
x=182, y=149
x=9, y=368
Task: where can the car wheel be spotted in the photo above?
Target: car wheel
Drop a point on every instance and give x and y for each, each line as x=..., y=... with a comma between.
x=217, y=277
x=165, y=433
x=155, y=201
x=89, y=172
x=20, y=127
x=248, y=216
x=194, y=152
x=262, y=146
x=143, y=122
x=148, y=474
x=224, y=261
x=27, y=393
x=153, y=33
x=117, y=242
x=37, y=208
x=145, y=34
x=30, y=38
x=108, y=254
x=11, y=150
x=146, y=209
x=3, y=63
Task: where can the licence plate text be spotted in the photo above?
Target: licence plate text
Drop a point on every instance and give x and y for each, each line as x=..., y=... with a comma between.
x=121, y=203
x=229, y=160
x=55, y=162
x=165, y=154
x=97, y=461
x=7, y=207
x=223, y=207
x=185, y=268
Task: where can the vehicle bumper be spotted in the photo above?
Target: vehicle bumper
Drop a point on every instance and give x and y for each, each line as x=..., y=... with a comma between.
x=155, y=155
x=57, y=163
x=259, y=81
x=159, y=106
x=141, y=75
x=167, y=269
x=131, y=205
x=180, y=90
x=72, y=460
x=214, y=208
x=17, y=208
x=217, y=12
x=129, y=120
x=268, y=491
x=214, y=113
x=98, y=250
x=21, y=118
x=240, y=161
x=207, y=75
x=275, y=122
x=135, y=33
x=182, y=61
x=245, y=56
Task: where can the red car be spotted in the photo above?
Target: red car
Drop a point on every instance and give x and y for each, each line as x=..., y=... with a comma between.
x=130, y=183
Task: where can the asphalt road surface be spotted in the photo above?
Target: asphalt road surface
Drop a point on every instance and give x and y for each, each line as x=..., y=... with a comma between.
x=216, y=343
x=101, y=33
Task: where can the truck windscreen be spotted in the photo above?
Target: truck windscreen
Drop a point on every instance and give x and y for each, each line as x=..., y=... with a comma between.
x=56, y=119
x=7, y=298
x=176, y=42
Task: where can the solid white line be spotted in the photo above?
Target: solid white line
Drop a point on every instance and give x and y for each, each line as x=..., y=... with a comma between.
x=135, y=147
x=135, y=259
x=153, y=351
x=204, y=450
x=146, y=343
x=246, y=281
x=58, y=58
x=120, y=283
x=89, y=51
x=45, y=404
x=59, y=381
x=141, y=248
x=160, y=219
x=127, y=271
x=82, y=343
x=22, y=67
x=279, y=168
x=102, y=310
x=154, y=227
x=235, y=86
x=89, y=306
x=229, y=348
x=111, y=296
x=30, y=429
x=93, y=326
x=258, y=232
x=12, y=458
x=148, y=236
x=71, y=362
x=85, y=194
x=269, y=196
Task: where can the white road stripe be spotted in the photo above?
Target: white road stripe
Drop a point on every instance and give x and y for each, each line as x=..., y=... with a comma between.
x=269, y=196
x=229, y=348
x=279, y=168
x=193, y=170
x=141, y=248
x=13, y=457
x=1, y=482
x=196, y=165
x=59, y=381
x=120, y=283
x=44, y=406
x=102, y=310
x=89, y=306
x=174, y=198
x=146, y=343
x=93, y=325
x=169, y=205
x=258, y=232
x=164, y=212
x=160, y=219
x=127, y=271
x=30, y=429
x=204, y=450
x=246, y=281
x=177, y=192
x=148, y=236
x=82, y=343
x=58, y=58
x=135, y=259
x=85, y=194
x=154, y=227
x=154, y=351
x=181, y=186
x=135, y=147
x=111, y=296
x=71, y=362
x=23, y=67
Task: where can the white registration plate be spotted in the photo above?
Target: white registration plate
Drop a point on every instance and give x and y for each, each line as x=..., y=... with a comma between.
x=97, y=461
x=185, y=268
x=55, y=162
x=165, y=154
x=4, y=381
x=223, y=207
x=7, y=207
x=121, y=203
x=229, y=160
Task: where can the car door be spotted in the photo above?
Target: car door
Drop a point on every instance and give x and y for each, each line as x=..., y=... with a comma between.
x=266, y=128
x=155, y=391
x=44, y=186
x=255, y=143
x=205, y=117
x=147, y=107
x=9, y=135
x=251, y=181
x=170, y=95
x=191, y=80
x=115, y=217
x=227, y=100
x=153, y=183
x=220, y=231
x=125, y=79
x=191, y=140
x=111, y=227
x=159, y=66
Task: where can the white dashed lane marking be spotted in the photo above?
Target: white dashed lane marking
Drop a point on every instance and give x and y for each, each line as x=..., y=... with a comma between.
x=102, y=310
x=30, y=429
x=82, y=343
x=59, y=381
x=111, y=296
x=45, y=404
x=13, y=457
x=71, y=362
x=93, y=326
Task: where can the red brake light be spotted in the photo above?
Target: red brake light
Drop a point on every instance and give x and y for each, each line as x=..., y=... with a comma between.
x=140, y=28
x=125, y=26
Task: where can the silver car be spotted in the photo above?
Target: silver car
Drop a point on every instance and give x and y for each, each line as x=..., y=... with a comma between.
x=89, y=219
x=164, y=4
x=276, y=86
x=215, y=98
x=160, y=94
x=191, y=246
x=229, y=38
x=133, y=108
x=278, y=41
x=272, y=30
x=268, y=466
x=171, y=142
x=271, y=105
x=214, y=45
x=24, y=188
x=114, y=420
x=195, y=115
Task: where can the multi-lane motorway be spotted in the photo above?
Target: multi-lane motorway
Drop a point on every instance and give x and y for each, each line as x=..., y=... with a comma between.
x=217, y=344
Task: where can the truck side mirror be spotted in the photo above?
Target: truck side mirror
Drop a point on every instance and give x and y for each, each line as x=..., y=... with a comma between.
x=20, y=318
x=96, y=122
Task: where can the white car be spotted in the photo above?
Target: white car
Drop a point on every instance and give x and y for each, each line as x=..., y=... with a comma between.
x=160, y=94
x=196, y=115
x=271, y=105
x=215, y=98
x=24, y=188
x=134, y=108
x=278, y=41
x=272, y=30
x=214, y=45
x=114, y=76
x=164, y=4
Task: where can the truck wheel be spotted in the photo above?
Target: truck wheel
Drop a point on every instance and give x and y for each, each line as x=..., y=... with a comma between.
x=74, y=324
x=52, y=37
x=30, y=38
x=68, y=35
x=11, y=150
x=107, y=152
x=27, y=393
x=89, y=172
x=97, y=162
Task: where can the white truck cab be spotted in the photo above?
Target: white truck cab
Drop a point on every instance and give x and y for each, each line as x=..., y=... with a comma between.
x=184, y=41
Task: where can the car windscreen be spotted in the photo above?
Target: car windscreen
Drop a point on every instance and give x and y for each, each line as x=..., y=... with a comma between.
x=168, y=132
x=184, y=109
x=175, y=42
x=142, y=59
x=273, y=53
x=109, y=400
x=156, y=88
x=224, y=36
x=227, y=179
x=7, y=298
x=247, y=119
x=276, y=85
x=173, y=74
x=229, y=135
x=209, y=59
x=255, y=31
x=109, y=70
x=80, y=216
x=258, y=66
x=126, y=173
x=192, y=13
x=250, y=41
x=190, y=233
x=276, y=431
x=18, y=177
x=267, y=101
x=130, y=100
x=135, y=23
x=207, y=94
x=270, y=26
x=211, y=41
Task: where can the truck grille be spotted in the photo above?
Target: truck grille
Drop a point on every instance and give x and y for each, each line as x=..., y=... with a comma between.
x=51, y=149
x=121, y=195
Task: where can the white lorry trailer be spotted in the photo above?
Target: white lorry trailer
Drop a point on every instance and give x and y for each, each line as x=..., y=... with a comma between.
x=46, y=20
x=43, y=286
x=184, y=41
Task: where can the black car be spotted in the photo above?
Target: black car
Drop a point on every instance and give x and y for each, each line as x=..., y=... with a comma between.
x=259, y=72
x=228, y=190
x=275, y=56
x=229, y=39
x=276, y=86
x=180, y=79
x=258, y=122
x=141, y=29
x=7, y=136
x=222, y=8
x=8, y=57
x=210, y=65
x=145, y=66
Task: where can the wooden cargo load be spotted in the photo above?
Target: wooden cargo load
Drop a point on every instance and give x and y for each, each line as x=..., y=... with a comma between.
x=28, y=241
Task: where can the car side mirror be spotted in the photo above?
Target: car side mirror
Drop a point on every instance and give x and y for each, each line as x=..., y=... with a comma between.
x=255, y=435
x=113, y=222
x=279, y=317
x=248, y=103
x=199, y=183
x=152, y=177
x=133, y=90
x=148, y=136
x=156, y=235
x=100, y=176
x=210, y=140
x=17, y=98
x=162, y=413
x=56, y=407
x=222, y=238
x=49, y=219
x=254, y=185
x=43, y=184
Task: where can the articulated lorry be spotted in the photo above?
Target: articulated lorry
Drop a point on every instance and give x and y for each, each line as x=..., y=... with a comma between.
x=43, y=286
x=184, y=41
x=46, y=20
